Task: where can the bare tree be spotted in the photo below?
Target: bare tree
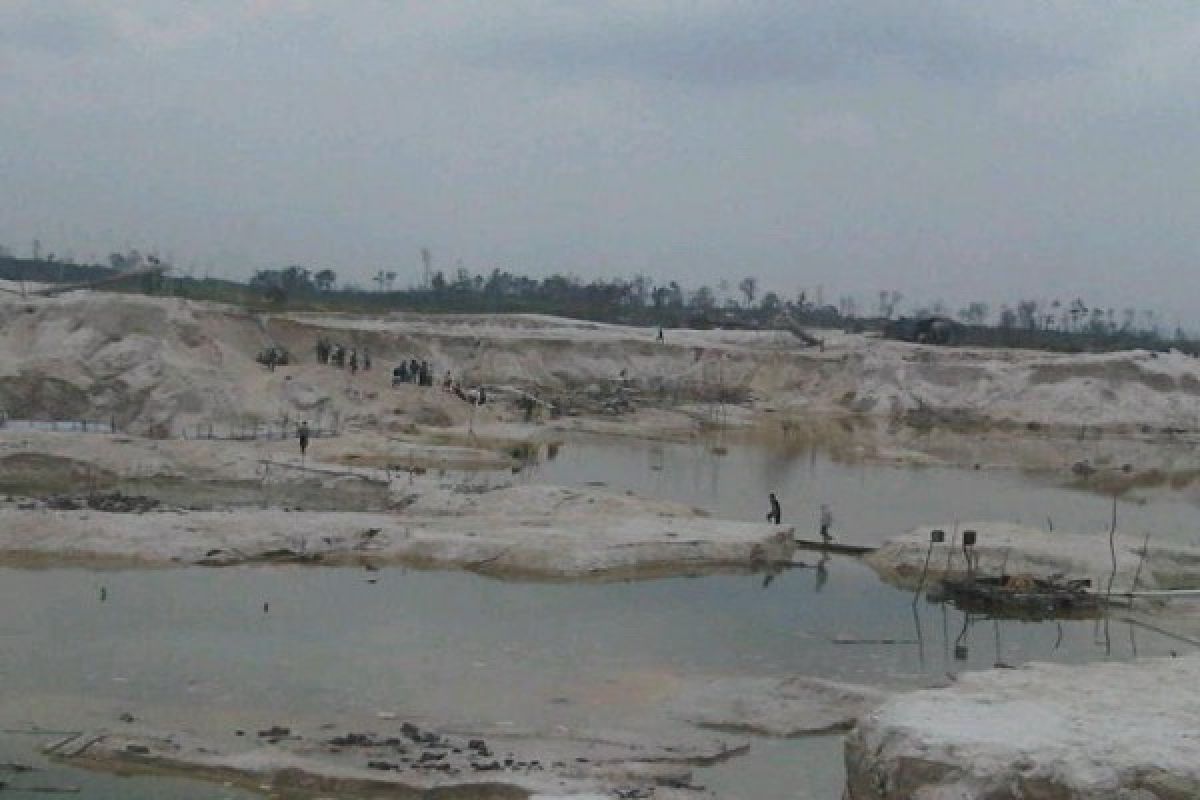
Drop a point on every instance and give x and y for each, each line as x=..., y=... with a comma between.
x=749, y=287
x=888, y=299
x=427, y=263
x=1027, y=314
x=1078, y=312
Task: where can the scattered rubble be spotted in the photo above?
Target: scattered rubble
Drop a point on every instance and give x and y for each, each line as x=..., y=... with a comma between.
x=407, y=758
x=113, y=502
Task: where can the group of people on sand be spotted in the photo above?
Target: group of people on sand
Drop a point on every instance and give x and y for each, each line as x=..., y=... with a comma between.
x=413, y=371
x=339, y=356
x=473, y=396
x=775, y=515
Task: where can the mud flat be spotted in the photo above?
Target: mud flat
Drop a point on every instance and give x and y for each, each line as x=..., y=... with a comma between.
x=388, y=755
x=537, y=531
x=1099, y=732
x=792, y=706
x=1004, y=548
x=399, y=759
x=37, y=458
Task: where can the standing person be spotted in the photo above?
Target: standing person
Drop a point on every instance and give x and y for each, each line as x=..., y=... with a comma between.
x=366, y=360
x=775, y=514
x=353, y=361
x=826, y=524
x=660, y=334
x=302, y=434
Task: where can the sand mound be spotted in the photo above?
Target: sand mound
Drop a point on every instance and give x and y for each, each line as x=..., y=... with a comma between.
x=161, y=365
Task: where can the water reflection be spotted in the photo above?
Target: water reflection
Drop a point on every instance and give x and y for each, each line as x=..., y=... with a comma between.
x=194, y=644
x=872, y=502
x=195, y=647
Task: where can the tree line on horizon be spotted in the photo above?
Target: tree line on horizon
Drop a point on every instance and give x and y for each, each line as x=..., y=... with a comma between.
x=637, y=300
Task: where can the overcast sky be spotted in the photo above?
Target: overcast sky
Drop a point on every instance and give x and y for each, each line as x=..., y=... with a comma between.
x=947, y=149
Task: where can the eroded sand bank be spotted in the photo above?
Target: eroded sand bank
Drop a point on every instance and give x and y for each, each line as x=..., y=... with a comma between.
x=535, y=531
x=1007, y=549
x=1096, y=732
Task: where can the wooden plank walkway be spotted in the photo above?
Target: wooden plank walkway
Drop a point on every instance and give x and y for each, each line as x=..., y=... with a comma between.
x=835, y=547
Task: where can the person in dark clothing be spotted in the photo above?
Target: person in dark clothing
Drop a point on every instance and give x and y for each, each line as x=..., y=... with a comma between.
x=400, y=374
x=775, y=514
x=353, y=361
x=660, y=334
x=826, y=524
x=302, y=434
x=366, y=360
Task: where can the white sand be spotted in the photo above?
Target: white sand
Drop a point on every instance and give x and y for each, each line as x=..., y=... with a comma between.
x=1065, y=732
x=161, y=362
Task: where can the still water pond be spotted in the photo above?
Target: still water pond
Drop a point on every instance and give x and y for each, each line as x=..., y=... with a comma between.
x=870, y=502
x=195, y=649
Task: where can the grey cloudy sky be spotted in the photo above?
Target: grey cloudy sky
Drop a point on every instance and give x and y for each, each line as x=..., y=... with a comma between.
x=947, y=149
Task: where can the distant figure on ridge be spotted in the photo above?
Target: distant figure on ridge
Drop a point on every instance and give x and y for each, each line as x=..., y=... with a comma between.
x=302, y=434
x=775, y=514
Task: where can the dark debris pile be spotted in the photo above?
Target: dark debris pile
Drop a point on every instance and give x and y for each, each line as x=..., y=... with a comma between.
x=427, y=751
x=114, y=502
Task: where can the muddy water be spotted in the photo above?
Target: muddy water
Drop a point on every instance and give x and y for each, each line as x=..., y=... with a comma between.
x=220, y=650
x=195, y=648
x=870, y=502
